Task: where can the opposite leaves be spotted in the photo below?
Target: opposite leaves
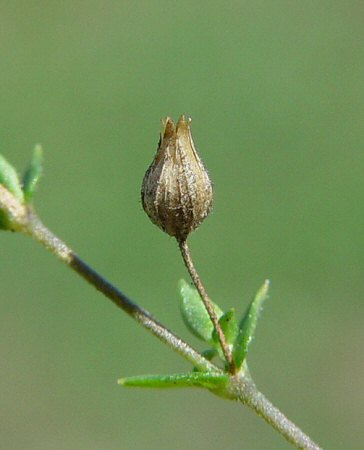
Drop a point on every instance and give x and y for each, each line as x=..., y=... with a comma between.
x=238, y=337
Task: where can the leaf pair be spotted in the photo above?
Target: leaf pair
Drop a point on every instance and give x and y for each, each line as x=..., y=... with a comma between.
x=238, y=336
x=197, y=320
x=24, y=189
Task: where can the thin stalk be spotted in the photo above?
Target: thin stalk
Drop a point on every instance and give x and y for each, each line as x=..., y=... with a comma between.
x=186, y=255
x=40, y=233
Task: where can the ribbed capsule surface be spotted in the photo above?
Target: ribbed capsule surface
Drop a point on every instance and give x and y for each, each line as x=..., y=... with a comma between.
x=176, y=189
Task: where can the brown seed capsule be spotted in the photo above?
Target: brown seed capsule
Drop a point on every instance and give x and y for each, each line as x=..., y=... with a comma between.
x=176, y=189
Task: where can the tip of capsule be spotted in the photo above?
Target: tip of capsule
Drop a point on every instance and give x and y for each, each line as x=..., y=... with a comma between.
x=183, y=122
x=168, y=127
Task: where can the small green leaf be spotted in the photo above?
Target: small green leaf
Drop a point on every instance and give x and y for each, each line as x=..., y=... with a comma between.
x=4, y=221
x=33, y=173
x=9, y=179
x=194, y=313
x=208, y=380
x=248, y=325
x=229, y=327
x=210, y=353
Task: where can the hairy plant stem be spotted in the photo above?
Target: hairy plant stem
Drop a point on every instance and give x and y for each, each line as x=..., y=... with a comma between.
x=39, y=232
x=245, y=391
x=240, y=386
x=186, y=255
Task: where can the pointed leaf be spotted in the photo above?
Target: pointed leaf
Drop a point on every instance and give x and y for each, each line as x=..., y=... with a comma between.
x=9, y=179
x=207, y=380
x=229, y=327
x=194, y=313
x=248, y=325
x=33, y=173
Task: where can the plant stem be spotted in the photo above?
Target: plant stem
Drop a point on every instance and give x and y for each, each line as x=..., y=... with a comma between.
x=186, y=255
x=39, y=232
x=244, y=390
x=240, y=386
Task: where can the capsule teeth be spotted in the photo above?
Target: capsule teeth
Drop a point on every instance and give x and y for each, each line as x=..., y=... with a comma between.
x=182, y=122
x=169, y=128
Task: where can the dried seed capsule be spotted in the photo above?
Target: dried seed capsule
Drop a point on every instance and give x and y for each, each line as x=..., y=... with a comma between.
x=176, y=189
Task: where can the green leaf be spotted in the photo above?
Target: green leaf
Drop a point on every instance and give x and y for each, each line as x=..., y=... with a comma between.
x=248, y=325
x=9, y=179
x=194, y=313
x=4, y=221
x=210, y=353
x=208, y=380
x=33, y=173
x=229, y=327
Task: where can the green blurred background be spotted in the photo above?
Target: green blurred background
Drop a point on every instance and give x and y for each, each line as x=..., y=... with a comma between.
x=276, y=93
